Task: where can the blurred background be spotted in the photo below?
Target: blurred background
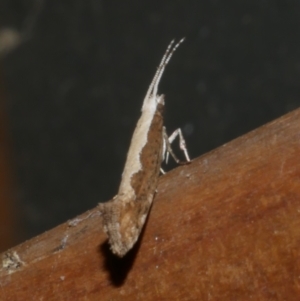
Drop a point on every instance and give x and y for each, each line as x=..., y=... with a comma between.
x=73, y=75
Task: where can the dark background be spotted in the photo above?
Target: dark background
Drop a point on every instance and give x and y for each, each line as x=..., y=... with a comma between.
x=79, y=70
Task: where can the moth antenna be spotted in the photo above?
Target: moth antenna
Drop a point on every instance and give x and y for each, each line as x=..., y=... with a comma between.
x=171, y=51
x=160, y=70
x=164, y=63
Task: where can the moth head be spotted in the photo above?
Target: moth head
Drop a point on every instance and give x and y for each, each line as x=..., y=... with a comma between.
x=161, y=99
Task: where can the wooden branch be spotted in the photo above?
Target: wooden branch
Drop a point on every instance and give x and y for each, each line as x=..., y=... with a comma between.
x=226, y=227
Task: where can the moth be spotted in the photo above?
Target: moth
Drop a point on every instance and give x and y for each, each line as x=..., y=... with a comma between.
x=125, y=215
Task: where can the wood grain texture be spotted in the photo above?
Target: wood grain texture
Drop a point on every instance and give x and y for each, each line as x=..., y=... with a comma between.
x=225, y=227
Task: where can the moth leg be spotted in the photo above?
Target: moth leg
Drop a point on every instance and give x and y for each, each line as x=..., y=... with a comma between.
x=162, y=171
x=167, y=149
x=163, y=150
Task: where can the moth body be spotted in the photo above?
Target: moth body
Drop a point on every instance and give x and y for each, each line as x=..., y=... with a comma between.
x=125, y=215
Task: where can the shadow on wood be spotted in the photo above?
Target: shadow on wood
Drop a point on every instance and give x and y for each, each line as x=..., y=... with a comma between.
x=226, y=227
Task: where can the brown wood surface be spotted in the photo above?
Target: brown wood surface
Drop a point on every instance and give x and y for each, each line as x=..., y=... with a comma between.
x=225, y=227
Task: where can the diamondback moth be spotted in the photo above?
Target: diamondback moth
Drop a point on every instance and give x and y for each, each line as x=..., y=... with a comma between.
x=125, y=215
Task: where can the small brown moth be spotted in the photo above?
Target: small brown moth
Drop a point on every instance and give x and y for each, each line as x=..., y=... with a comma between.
x=125, y=215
